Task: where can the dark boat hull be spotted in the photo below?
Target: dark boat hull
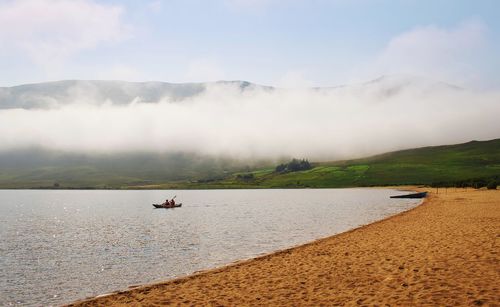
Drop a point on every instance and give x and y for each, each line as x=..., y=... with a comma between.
x=157, y=206
x=413, y=195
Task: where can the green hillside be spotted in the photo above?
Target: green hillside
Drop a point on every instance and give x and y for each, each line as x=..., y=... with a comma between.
x=41, y=169
x=427, y=165
x=35, y=168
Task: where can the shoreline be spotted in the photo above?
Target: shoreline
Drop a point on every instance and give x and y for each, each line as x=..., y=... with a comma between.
x=135, y=188
x=187, y=290
x=243, y=261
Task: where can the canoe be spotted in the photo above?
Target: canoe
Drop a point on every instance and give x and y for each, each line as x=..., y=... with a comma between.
x=167, y=207
x=413, y=195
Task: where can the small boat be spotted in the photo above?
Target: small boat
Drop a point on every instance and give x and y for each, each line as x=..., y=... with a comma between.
x=157, y=206
x=413, y=195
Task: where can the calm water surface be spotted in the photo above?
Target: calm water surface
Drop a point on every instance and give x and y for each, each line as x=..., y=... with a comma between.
x=59, y=246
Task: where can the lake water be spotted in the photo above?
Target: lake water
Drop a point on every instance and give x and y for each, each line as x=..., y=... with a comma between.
x=59, y=246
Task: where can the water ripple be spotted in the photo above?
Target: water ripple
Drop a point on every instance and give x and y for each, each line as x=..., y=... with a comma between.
x=59, y=246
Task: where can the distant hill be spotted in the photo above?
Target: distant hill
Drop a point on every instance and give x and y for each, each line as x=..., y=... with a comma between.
x=59, y=93
x=427, y=165
x=388, y=86
x=34, y=167
x=37, y=168
x=45, y=169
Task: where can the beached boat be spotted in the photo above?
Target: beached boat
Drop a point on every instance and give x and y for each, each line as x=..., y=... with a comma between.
x=167, y=207
x=412, y=195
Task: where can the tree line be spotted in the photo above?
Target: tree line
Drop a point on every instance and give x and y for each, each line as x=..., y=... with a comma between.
x=294, y=165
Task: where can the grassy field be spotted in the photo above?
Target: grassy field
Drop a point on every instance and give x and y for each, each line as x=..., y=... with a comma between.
x=46, y=169
x=476, y=159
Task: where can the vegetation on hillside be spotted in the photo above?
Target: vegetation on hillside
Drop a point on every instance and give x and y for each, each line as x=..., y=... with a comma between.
x=37, y=168
x=294, y=165
x=474, y=164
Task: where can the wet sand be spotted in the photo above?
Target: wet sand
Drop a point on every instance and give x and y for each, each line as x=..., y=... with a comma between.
x=445, y=252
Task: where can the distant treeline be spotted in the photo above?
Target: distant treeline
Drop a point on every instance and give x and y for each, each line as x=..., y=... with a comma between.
x=245, y=177
x=490, y=183
x=293, y=166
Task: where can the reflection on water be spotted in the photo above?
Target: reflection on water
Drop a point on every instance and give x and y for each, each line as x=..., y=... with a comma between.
x=59, y=246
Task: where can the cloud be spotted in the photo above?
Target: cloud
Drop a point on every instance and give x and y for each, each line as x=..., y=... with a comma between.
x=323, y=124
x=48, y=32
x=451, y=54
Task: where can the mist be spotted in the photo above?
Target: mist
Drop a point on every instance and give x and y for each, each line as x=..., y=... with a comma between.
x=222, y=120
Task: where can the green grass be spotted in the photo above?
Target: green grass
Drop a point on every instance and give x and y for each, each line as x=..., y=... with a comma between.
x=415, y=166
x=477, y=159
x=36, y=168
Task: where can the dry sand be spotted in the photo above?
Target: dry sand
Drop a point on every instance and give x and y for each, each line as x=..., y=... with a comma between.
x=445, y=252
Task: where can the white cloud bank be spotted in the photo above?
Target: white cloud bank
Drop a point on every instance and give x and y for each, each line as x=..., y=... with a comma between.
x=318, y=124
x=454, y=54
x=48, y=32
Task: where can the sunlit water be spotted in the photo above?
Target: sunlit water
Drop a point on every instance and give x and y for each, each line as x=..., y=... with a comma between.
x=59, y=246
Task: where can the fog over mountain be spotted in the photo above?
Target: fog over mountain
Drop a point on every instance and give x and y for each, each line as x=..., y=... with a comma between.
x=62, y=93
x=243, y=120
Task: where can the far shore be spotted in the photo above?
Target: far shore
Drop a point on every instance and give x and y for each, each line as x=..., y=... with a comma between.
x=193, y=187
x=443, y=252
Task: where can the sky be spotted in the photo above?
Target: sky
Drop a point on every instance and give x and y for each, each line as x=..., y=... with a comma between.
x=440, y=60
x=295, y=43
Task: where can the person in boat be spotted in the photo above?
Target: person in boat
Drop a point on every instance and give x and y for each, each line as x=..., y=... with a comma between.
x=166, y=202
x=172, y=202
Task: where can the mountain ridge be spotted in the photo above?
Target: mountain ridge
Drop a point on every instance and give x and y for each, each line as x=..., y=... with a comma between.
x=63, y=92
x=57, y=93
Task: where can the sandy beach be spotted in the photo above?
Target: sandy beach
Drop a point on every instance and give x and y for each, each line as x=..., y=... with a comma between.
x=445, y=252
